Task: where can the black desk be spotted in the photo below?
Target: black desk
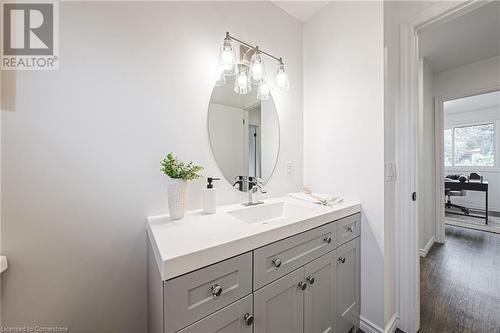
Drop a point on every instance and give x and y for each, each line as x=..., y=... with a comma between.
x=455, y=185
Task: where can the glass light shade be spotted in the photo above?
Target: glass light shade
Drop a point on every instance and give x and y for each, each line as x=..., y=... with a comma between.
x=227, y=58
x=263, y=92
x=220, y=78
x=257, y=69
x=282, y=83
x=242, y=81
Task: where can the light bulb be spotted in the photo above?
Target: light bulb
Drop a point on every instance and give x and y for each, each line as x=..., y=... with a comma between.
x=257, y=70
x=282, y=82
x=227, y=58
x=263, y=92
x=242, y=83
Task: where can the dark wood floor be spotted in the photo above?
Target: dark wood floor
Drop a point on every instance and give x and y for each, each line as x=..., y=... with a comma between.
x=460, y=284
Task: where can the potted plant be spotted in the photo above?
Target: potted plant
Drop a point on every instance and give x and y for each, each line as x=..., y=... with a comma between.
x=178, y=174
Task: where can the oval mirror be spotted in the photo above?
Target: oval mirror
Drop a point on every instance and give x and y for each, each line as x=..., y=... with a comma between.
x=244, y=134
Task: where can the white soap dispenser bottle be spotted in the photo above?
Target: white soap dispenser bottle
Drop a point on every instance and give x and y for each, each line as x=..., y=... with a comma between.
x=210, y=197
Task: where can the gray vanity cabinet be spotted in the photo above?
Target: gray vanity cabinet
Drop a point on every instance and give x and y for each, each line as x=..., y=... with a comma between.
x=306, y=283
x=348, y=285
x=319, y=296
x=279, y=305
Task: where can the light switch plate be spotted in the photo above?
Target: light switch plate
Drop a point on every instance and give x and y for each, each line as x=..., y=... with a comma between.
x=390, y=171
x=289, y=168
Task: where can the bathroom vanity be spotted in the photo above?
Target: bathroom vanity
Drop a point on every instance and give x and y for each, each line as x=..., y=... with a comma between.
x=283, y=266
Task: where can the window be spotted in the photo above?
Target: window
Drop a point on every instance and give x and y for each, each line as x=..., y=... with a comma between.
x=470, y=146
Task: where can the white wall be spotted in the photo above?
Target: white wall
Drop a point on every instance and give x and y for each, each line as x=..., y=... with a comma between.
x=427, y=210
x=81, y=153
x=344, y=126
x=475, y=199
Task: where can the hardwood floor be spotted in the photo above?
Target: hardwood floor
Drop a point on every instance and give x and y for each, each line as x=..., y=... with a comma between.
x=460, y=284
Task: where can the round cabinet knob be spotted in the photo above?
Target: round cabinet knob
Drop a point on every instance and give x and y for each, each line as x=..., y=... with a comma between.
x=350, y=229
x=277, y=262
x=310, y=279
x=327, y=239
x=216, y=290
x=248, y=319
x=342, y=259
x=302, y=285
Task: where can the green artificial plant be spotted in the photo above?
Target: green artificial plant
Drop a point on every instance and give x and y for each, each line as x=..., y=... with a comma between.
x=174, y=168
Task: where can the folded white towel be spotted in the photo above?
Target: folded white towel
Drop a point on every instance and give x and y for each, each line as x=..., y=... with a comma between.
x=319, y=198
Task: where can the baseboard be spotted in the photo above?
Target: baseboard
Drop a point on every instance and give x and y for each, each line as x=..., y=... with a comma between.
x=369, y=327
x=423, y=252
x=392, y=325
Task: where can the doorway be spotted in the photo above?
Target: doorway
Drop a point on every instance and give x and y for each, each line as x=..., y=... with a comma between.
x=409, y=164
x=470, y=147
x=457, y=116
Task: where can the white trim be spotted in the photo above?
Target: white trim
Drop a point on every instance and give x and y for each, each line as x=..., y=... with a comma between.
x=368, y=327
x=423, y=252
x=476, y=169
x=439, y=169
x=407, y=259
x=392, y=325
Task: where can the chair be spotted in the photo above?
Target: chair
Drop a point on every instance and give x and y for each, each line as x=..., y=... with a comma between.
x=449, y=193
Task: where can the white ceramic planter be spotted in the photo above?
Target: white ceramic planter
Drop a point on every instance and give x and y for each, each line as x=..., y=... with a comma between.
x=176, y=196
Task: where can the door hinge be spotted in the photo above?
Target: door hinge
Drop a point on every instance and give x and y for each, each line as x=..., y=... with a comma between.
x=414, y=196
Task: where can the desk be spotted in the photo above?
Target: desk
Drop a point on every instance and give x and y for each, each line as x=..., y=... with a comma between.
x=455, y=185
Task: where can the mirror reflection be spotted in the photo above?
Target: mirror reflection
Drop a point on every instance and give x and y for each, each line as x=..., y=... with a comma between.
x=244, y=134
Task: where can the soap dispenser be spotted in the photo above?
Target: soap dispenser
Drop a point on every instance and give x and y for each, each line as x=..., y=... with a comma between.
x=210, y=197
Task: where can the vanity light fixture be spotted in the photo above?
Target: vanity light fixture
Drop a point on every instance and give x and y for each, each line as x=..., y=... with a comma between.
x=282, y=82
x=257, y=69
x=227, y=58
x=242, y=82
x=263, y=92
x=251, y=72
x=220, y=78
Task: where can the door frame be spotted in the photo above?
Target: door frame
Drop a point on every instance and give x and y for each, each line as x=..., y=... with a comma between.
x=439, y=149
x=407, y=255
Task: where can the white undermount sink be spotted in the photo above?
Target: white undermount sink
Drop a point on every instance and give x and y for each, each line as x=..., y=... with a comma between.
x=272, y=212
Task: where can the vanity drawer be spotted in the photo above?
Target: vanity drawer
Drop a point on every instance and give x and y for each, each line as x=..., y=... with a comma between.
x=193, y=296
x=280, y=258
x=229, y=319
x=348, y=228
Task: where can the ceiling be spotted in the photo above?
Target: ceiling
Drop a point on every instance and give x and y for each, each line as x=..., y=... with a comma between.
x=301, y=10
x=467, y=39
x=483, y=101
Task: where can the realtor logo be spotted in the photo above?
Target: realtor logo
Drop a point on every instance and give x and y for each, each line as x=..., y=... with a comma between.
x=29, y=36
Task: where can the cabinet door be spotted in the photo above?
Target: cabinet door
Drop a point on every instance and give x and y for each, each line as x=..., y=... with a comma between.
x=347, y=289
x=319, y=297
x=234, y=318
x=279, y=306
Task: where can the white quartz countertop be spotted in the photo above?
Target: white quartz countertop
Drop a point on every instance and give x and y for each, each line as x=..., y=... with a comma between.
x=200, y=240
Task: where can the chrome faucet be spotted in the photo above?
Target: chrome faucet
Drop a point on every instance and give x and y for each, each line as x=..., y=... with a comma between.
x=255, y=184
